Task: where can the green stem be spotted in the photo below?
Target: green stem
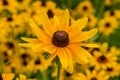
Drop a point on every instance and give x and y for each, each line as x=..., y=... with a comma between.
x=101, y=10
x=58, y=72
x=1, y=70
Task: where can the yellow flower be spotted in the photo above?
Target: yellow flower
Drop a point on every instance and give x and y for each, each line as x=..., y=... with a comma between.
x=85, y=8
x=92, y=20
x=8, y=5
x=60, y=40
x=7, y=76
x=113, y=70
x=94, y=75
x=102, y=60
x=107, y=26
x=109, y=2
x=113, y=14
x=23, y=77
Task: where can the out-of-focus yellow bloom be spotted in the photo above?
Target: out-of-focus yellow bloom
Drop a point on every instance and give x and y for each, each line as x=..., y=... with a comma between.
x=94, y=75
x=107, y=26
x=85, y=8
x=60, y=40
x=92, y=20
x=10, y=5
x=113, y=14
x=113, y=70
x=8, y=76
x=109, y=2
x=102, y=60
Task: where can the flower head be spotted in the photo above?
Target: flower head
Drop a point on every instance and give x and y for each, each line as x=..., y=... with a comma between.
x=60, y=39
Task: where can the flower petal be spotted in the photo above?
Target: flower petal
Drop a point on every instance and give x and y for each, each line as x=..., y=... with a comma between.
x=63, y=57
x=64, y=21
x=31, y=40
x=56, y=22
x=42, y=36
x=78, y=54
x=50, y=48
x=34, y=46
x=77, y=27
x=84, y=36
x=46, y=23
x=70, y=63
x=93, y=45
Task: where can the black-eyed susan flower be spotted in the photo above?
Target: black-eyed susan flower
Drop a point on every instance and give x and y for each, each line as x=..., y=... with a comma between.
x=107, y=26
x=102, y=60
x=113, y=14
x=9, y=5
x=85, y=8
x=60, y=40
x=88, y=75
x=109, y=2
x=92, y=20
x=112, y=70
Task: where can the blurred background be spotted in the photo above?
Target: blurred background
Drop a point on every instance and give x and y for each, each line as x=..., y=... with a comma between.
x=14, y=24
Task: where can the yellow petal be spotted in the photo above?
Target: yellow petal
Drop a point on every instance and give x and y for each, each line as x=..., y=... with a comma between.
x=8, y=76
x=64, y=21
x=56, y=22
x=85, y=53
x=42, y=36
x=83, y=36
x=46, y=23
x=33, y=46
x=90, y=45
x=23, y=77
x=50, y=48
x=78, y=54
x=76, y=27
x=70, y=63
x=63, y=57
x=31, y=40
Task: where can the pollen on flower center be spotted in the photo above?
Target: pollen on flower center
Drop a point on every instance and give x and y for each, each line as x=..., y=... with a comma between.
x=60, y=39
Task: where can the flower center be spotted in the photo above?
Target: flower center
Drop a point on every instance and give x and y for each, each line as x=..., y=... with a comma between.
x=5, y=2
x=1, y=77
x=10, y=45
x=93, y=78
x=109, y=69
x=24, y=63
x=9, y=19
x=107, y=25
x=85, y=8
x=102, y=59
x=43, y=3
x=112, y=13
x=60, y=39
x=37, y=61
x=50, y=14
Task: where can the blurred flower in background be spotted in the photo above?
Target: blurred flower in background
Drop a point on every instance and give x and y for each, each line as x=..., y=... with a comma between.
x=90, y=55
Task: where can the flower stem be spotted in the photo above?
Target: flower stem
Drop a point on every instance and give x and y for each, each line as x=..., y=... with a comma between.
x=1, y=70
x=101, y=10
x=58, y=72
